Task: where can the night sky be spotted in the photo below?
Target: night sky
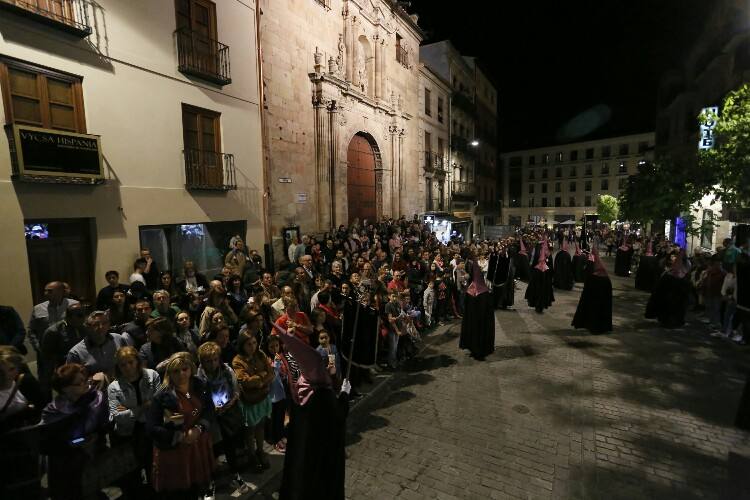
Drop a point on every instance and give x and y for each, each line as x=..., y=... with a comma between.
x=569, y=70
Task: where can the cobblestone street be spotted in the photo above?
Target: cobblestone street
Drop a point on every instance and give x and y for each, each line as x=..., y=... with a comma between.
x=559, y=413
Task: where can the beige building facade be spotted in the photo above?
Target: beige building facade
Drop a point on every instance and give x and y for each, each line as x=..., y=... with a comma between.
x=141, y=93
x=558, y=183
x=434, y=139
x=341, y=81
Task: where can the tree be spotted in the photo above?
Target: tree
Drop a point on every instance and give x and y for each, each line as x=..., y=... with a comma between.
x=729, y=159
x=608, y=208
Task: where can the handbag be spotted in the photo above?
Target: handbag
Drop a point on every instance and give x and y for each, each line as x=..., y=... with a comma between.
x=231, y=421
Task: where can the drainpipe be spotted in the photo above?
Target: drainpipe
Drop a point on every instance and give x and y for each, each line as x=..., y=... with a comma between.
x=265, y=153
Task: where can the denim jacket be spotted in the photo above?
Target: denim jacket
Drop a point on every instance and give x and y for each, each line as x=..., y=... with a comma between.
x=122, y=392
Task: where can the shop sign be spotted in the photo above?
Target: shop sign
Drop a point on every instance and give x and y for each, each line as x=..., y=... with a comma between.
x=55, y=156
x=707, y=140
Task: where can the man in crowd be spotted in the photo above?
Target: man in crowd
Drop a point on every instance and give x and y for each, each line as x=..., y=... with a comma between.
x=104, y=297
x=48, y=312
x=151, y=270
x=134, y=332
x=97, y=351
x=57, y=340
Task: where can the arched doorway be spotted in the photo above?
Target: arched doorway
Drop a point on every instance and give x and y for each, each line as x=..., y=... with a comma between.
x=361, y=191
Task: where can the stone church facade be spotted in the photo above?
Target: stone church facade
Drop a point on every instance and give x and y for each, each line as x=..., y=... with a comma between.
x=341, y=99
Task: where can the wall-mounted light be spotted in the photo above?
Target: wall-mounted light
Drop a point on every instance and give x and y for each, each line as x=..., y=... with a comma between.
x=475, y=143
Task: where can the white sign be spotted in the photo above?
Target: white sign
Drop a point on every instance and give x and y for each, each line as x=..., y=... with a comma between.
x=285, y=180
x=707, y=140
x=301, y=198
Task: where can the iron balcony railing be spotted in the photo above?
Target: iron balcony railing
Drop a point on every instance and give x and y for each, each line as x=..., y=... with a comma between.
x=209, y=170
x=465, y=189
x=201, y=56
x=70, y=16
x=440, y=166
x=402, y=56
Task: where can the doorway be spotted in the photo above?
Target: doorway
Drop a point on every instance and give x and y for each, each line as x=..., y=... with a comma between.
x=360, y=180
x=61, y=250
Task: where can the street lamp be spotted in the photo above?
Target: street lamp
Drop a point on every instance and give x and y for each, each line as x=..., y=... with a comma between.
x=475, y=143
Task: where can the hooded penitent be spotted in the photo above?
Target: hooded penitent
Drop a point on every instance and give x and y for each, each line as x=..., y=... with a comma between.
x=523, y=248
x=578, y=249
x=543, y=254
x=599, y=269
x=679, y=268
x=649, y=249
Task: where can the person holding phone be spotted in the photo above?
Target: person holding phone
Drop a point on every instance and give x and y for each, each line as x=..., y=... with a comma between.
x=179, y=423
x=72, y=430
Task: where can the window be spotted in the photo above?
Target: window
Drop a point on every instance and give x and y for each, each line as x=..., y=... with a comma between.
x=324, y=3
x=198, y=50
x=588, y=170
x=587, y=201
x=559, y=157
x=558, y=202
x=622, y=183
x=624, y=149
x=441, y=103
x=606, y=151
x=605, y=168
x=642, y=147
x=532, y=160
x=428, y=142
x=573, y=172
x=544, y=202
x=427, y=102
x=531, y=189
x=574, y=155
x=531, y=175
x=544, y=187
x=572, y=187
x=589, y=153
x=623, y=169
x=401, y=54
x=605, y=185
x=202, y=141
x=545, y=159
x=41, y=97
x=707, y=229
x=558, y=187
x=531, y=202
x=544, y=173
x=558, y=172
x=587, y=186
x=572, y=201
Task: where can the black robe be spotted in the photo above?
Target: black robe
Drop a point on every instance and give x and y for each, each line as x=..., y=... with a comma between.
x=523, y=271
x=669, y=300
x=539, y=293
x=647, y=274
x=314, y=463
x=579, y=268
x=478, y=323
x=503, y=288
x=623, y=259
x=594, y=311
x=564, y=277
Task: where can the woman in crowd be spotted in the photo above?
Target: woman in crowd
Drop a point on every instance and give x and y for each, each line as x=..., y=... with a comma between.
x=186, y=334
x=179, y=423
x=276, y=433
x=594, y=311
x=222, y=384
x=21, y=403
x=166, y=282
x=73, y=427
x=478, y=324
x=216, y=300
x=119, y=310
x=237, y=294
x=161, y=343
x=130, y=396
x=254, y=374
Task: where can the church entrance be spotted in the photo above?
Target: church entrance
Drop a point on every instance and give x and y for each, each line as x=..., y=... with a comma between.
x=361, y=190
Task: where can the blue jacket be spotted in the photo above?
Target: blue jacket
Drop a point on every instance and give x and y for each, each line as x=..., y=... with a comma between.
x=122, y=393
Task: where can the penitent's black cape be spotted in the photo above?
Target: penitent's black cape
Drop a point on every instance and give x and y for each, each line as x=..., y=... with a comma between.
x=478, y=323
x=623, y=258
x=648, y=273
x=564, y=277
x=594, y=311
x=523, y=270
x=314, y=463
x=669, y=300
x=503, y=289
x=579, y=268
x=539, y=293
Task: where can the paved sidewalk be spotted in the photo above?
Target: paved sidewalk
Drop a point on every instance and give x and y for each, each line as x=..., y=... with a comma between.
x=558, y=413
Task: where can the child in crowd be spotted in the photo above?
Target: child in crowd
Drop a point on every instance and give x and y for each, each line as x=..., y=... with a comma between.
x=330, y=353
x=277, y=432
x=428, y=302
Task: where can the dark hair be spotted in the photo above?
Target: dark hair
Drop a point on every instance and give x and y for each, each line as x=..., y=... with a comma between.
x=243, y=339
x=324, y=297
x=110, y=273
x=139, y=262
x=316, y=313
x=66, y=374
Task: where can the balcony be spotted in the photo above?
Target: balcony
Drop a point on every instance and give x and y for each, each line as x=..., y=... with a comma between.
x=209, y=170
x=441, y=167
x=464, y=190
x=70, y=16
x=202, y=57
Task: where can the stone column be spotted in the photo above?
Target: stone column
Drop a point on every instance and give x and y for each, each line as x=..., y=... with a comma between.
x=383, y=51
x=348, y=48
x=355, y=55
x=323, y=181
x=401, y=176
x=393, y=132
x=378, y=62
x=333, y=146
